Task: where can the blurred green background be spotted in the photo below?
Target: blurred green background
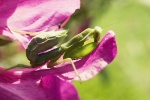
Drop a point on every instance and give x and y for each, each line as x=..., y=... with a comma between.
x=127, y=77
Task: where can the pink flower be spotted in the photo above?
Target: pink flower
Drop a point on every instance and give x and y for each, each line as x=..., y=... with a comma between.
x=23, y=85
x=51, y=84
x=47, y=83
x=33, y=16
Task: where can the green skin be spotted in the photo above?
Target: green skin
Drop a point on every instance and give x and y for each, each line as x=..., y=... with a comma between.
x=76, y=48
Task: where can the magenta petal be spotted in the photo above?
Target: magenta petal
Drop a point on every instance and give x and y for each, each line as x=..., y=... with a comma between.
x=27, y=86
x=33, y=16
x=7, y=8
x=57, y=89
x=90, y=65
x=6, y=33
x=39, y=15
